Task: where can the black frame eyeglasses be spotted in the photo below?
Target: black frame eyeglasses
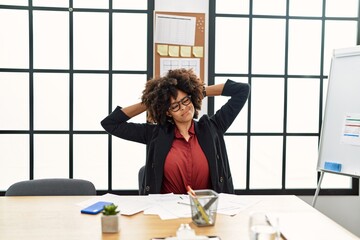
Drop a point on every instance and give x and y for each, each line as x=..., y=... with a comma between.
x=175, y=106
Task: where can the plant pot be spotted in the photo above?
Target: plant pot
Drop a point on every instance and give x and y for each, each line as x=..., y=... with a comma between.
x=110, y=224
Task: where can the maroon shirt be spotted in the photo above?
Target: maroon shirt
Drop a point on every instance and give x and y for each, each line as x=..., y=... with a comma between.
x=185, y=164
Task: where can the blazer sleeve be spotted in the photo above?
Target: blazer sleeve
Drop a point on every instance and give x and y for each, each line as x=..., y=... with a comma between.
x=238, y=93
x=116, y=123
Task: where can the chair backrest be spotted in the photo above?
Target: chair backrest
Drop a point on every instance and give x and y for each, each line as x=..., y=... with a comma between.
x=141, y=180
x=51, y=187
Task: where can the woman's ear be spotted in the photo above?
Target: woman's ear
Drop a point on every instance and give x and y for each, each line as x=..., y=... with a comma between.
x=168, y=114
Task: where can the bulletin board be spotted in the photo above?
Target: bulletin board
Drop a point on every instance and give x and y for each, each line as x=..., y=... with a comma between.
x=339, y=150
x=179, y=42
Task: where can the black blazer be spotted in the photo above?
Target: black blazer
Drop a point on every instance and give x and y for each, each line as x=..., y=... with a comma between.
x=158, y=138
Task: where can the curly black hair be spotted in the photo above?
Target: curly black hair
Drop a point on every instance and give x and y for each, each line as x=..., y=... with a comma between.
x=158, y=91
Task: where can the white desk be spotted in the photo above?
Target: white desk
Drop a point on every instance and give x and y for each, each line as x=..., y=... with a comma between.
x=60, y=218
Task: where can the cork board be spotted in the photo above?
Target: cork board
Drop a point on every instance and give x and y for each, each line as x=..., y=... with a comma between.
x=179, y=42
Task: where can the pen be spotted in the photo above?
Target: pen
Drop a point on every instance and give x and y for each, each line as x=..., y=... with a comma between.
x=183, y=203
x=198, y=205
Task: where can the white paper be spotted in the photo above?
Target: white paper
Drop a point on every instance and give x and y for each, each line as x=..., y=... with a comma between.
x=351, y=129
x=173, y=29
x=167, y=64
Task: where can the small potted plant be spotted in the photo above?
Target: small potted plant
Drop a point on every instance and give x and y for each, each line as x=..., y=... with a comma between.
x=110, y=219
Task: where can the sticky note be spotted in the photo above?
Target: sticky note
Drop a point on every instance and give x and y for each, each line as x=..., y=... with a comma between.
x=162, y=50
x=332, y=166
x=198, y=51
x=174, y=51
x=185, y=51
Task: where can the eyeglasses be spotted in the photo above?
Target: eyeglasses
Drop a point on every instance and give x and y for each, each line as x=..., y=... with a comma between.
x=174, y=107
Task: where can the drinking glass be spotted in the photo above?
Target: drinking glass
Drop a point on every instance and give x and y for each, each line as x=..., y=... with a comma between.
x=260, y=227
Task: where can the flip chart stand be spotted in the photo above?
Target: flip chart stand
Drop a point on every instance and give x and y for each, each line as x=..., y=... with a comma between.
x=318, y=188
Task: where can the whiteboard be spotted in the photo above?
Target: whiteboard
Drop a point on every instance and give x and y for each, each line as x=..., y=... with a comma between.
x=340, y=140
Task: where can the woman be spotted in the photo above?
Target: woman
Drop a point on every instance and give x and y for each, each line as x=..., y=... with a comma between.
x=181, y=151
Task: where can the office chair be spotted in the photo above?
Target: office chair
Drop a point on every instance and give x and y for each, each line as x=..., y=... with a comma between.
x=51, y=187
x=141, y=179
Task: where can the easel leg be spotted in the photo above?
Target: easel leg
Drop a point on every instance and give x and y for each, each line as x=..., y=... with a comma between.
x=318, y=189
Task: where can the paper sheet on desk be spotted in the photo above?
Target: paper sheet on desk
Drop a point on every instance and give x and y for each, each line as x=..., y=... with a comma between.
x=128, y=205
x=230, y=204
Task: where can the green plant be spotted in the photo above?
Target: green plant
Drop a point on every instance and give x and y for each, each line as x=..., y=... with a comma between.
x=110, y=210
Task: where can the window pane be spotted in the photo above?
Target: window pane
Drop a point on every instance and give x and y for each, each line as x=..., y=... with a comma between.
x=90, y=100
x=303, y=105
x=301, y=162
x=240, y=123
x=51, y=101
x=267, y=104
x=14, y=101
x=333, y=29
x=127, y=90
x=127, y=158
x=129, y=41
x=91, y=4
x=268, y=51
x=91, y=159
x=272, y=7
x=306, y=8
x=333, y=181
x=15, y=162
x=130, y=4
x=51, y=39
x=14, y=47
x=266, y=162
x=51, y=156
x=232, y=6
x=91, y=40
x=304, y=45
x=52, y=3
x=232, y=43
x=339, y=8
x=237, y=150
x=14, y=2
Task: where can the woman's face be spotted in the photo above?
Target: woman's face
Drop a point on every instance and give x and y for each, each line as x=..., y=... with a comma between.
x=181, y=109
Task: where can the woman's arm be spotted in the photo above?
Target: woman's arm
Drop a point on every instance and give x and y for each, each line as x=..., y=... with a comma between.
x=214, y=90
x=133, y=110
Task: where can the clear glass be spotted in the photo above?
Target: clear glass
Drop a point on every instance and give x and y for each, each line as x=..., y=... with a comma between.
x=130, y=41
x=236, y=147
x=14, y=47
x=51, y=39
x=51, y=156
x=267, y=104
x=91, y=40
x=339, y=8
x=301, y=162
x=303, y=105
x=14, y=101
x=15, y=2
x=232, y=45
x=260, y=227
x=333, y=29
x=91, y=159
x=304, y=45
x=233, y=6
x=130, y=4
x=91, y=4
x=269, y=7
x=52, y=3
x=266, y=162
x=15, y=164
x=51, y=101
x=127, y=159
x=91, y=100
x=268, y=51
x=311, y=8
x=240, y=122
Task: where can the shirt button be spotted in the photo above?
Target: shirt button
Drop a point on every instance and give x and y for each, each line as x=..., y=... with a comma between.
x=221, y=179
x=147, y=188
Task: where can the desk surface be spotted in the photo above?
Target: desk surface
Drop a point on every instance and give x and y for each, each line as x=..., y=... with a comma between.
x=60, y=218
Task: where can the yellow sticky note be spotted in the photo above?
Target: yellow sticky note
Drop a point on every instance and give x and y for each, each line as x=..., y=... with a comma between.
x=174, y=51
x=198, y=51
x=162, y=50
x=185, y=51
